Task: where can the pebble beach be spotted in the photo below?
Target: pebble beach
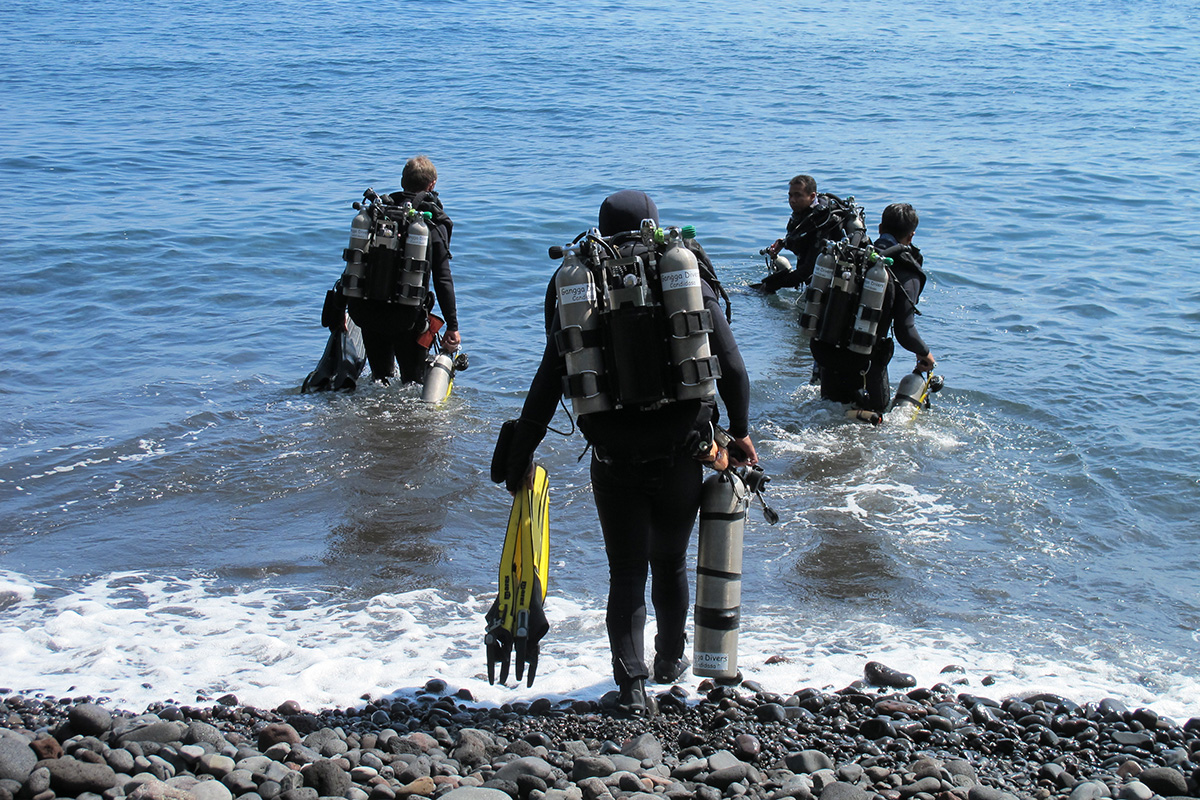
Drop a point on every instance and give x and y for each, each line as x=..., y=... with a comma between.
x=877, y=739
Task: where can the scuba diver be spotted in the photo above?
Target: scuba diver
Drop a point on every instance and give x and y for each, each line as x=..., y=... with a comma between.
x=399, y=242
x=636, y=339
x=816, y=218
x=849, y=339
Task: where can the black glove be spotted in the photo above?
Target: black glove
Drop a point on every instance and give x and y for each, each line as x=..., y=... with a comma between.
x=514, y=451
x=333, y=313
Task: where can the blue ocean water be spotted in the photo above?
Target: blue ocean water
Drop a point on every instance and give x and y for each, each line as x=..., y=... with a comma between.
x=175, y=188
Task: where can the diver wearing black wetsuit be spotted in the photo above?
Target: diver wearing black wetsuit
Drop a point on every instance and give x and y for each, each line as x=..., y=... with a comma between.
x=841, y=380
x=390, y=330
x=816, y=218
x=645, y=479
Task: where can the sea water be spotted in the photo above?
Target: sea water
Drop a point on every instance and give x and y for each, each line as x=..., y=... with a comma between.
x=178, y=521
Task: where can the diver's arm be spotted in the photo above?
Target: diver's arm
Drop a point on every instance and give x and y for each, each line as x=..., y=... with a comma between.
x=733, y=385
x=905, y=325
x=443, y=287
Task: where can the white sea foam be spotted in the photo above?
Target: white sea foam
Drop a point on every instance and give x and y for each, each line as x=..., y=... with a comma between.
x=137, y=639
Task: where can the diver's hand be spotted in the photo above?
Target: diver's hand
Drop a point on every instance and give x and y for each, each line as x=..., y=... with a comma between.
x=742, y=452
x=926, y=362
x=525, y=483
x=451, y=341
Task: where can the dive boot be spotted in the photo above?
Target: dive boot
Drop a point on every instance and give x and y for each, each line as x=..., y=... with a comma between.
x=634, y=701
x=670, y=670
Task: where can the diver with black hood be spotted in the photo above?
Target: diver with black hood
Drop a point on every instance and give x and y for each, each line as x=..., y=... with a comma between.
x=649, y=414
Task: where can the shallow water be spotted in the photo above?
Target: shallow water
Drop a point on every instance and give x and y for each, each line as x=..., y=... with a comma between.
x=176, y=191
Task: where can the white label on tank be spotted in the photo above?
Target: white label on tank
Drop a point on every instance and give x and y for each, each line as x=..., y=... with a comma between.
x=874, y=286
x=577, y=293
x=680, y=279
x=712, y=662
x=418, y=239
x=358, y=233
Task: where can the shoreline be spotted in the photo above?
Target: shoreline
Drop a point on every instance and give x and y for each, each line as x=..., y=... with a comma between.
x=858, y=743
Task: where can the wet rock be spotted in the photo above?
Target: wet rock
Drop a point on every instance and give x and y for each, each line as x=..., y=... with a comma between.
x=878, y=674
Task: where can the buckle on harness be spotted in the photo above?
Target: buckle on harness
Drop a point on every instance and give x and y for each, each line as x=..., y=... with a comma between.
x=695, y=371
x=586, y=384
x=690, y=323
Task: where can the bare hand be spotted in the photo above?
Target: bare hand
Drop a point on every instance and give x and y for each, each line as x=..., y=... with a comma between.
x=451, y=341
x=926, y=362
x=742, y=452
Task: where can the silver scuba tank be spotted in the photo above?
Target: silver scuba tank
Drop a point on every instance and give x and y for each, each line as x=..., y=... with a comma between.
x=818, y=289
x=689, y=321
x=723, y=504
x=411, y=291
x=839, y=306
x=578, y=339
x=910, y=390
x=438, y=376
x=355, y=255
x=870, y=306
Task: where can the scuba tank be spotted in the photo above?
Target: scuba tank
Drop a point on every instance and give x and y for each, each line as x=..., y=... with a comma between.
x=723, y=504
x=842, y=292
x=866, y=322
x=913, y=392
x=411, y=290
x=355, y=275
x=855, y=227
x=818, y=289
x=579, y=338
x=439, y=376
x=689, y=321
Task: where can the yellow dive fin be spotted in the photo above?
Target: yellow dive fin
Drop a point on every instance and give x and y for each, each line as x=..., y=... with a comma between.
x=516, y=622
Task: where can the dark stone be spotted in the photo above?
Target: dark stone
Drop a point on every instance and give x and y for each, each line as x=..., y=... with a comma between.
x=807, y=762
x=328, y=778
x=1165, y=781
x=70, y=778
x=878, y=674
x=90, y=719
x=275, y=733
x=747, y=747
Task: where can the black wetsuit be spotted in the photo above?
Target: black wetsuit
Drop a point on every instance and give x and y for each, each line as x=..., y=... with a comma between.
x=841, y=372
x=390, y=330
x=807, y=232
x=646, y=484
